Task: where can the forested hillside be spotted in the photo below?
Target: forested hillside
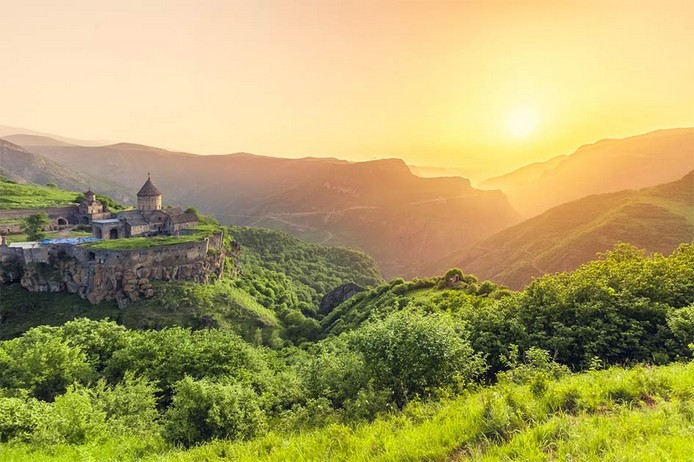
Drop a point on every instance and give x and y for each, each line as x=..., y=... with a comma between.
x=446, y=368
x=270, y=293
x=657, y=219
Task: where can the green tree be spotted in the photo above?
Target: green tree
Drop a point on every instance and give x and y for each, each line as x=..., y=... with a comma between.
x=42, y=363
x=33, y=226
x=413, y=354
x=203, y=410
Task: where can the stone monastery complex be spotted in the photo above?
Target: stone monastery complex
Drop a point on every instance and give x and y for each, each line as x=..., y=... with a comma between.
x=150, y=219
x=125, y=275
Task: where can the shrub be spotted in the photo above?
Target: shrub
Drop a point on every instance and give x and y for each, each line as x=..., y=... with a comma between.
x=20, y=417
x=204, y=410
x=413, y=354
x=42, y=363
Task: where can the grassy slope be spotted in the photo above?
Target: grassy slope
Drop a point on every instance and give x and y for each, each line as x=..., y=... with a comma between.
x=182, y=304
x=22, y=166
x=657, y=219
x=19, y=196
x=607, y=406
x=21, y=310
x=387, y=298
x=641, y=414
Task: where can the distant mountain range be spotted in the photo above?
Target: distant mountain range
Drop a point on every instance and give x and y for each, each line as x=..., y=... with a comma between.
x=412, y=225
x=8, y=131
x=657, y=219
x=379, y=206
x=606, y=166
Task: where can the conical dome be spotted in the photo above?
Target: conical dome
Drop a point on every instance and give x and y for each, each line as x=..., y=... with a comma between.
x=148, y=189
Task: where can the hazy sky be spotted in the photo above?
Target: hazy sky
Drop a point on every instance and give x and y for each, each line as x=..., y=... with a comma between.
x=484, y=84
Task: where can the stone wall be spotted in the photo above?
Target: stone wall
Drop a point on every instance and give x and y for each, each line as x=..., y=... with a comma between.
x=52, y=212
x=123, y=275
x=69, y=214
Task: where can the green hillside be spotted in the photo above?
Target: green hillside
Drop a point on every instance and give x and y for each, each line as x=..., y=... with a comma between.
x=640, y=415
x=20, y=196
x=274, y=298
x=657, y=219
x=446, y=368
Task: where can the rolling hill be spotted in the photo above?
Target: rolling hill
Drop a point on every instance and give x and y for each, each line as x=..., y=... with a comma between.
x=6, y=130
x=657, y=219
x=606, y=166
x=23, y=166
x=20, y=165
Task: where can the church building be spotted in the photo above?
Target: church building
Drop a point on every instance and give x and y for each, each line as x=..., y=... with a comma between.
x=149, y=219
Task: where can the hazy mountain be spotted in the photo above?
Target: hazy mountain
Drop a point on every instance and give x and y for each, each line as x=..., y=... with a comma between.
x=380, y=207
x=606, y=166
x=6, y=130
x=20, y=165
x=473, y=174
x=657, y=219
x=28, y=141
x=526, y=174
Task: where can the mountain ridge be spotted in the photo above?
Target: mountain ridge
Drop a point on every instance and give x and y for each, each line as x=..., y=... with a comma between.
x=657, y=219
x=607, y=165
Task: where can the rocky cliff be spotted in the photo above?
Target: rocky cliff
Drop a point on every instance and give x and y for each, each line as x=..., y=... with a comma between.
x=98, y=282
x=121, y=275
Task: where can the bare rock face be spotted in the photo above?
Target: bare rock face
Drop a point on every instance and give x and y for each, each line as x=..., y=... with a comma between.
x=10, y=269
x=98, y=282
x=338, y=295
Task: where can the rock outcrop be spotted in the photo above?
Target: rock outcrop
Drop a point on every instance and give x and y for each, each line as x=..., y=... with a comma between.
x=338, y=295
x=97, y=283
x=121, y=275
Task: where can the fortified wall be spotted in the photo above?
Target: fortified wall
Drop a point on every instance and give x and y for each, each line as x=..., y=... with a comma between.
x=121, y=275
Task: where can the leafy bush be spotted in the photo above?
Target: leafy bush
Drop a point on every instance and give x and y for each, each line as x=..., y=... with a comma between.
x=204, y=410
x=413, y=354
x=42, y=363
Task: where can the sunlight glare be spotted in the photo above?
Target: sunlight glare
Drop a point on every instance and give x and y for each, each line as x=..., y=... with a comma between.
x=522, y=122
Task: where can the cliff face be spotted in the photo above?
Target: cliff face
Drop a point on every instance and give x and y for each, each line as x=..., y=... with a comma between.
x=10, y=266
x=97, y=282
x=124, y=276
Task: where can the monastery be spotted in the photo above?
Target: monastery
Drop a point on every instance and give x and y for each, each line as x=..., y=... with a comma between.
x=150, y=219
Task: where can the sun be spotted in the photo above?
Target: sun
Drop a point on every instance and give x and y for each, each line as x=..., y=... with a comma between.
x=522, y=122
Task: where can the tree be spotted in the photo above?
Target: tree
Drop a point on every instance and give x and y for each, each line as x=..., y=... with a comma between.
x=413, y=354
x=33, y=226
x=203, y=410
x=42, y=363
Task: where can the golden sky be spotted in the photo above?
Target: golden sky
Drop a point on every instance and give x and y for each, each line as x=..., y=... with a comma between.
x=489, y=85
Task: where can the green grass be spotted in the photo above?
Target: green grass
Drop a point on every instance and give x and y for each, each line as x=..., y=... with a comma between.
x=188, y=304
x=141, y=242
x=190, y=235
x=662, y=432
x=616, y=412
x=19, y=196
x=641, y=414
